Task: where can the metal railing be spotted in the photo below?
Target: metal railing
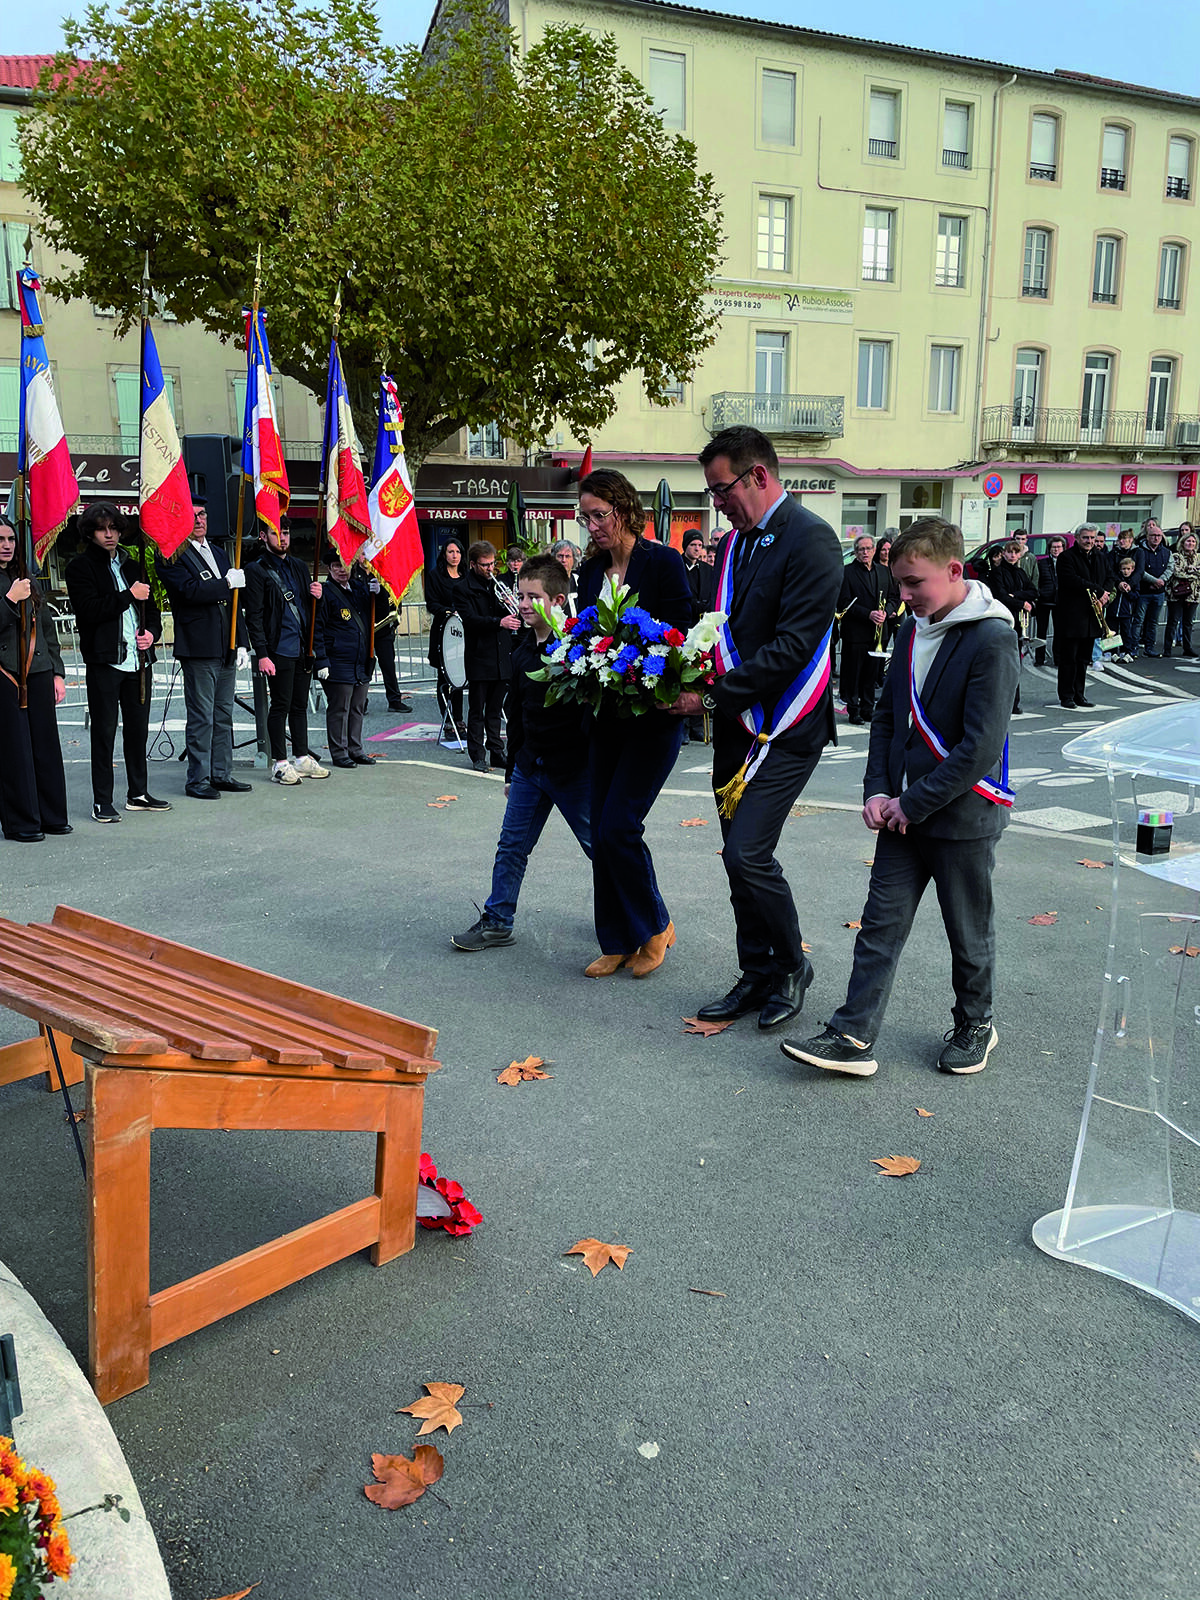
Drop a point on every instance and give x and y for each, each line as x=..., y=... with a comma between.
x=1178, y=189
x=882, y=147
x=878, y=274
x=1043, y=171
x=1069, y=426
x=956, y=158
x=1034, y=291
x=817, y=415
x=1112, y=178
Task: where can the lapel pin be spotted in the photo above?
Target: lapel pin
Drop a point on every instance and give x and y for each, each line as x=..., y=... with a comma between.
x=767, y=538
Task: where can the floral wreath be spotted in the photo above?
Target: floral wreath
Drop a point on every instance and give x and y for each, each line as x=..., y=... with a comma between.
x=33, y=1542
x=455, y=1213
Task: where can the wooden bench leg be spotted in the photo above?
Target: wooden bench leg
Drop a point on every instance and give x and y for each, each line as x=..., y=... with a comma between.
x=397, y=1172
x=118, y=1236
x=31, y=1056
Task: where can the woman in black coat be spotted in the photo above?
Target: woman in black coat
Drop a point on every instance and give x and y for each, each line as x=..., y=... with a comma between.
x=630, y=757
x=33, y=785
x=444, y=594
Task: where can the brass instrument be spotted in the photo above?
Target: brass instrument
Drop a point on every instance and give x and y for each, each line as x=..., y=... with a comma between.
x=506, y=597
x=1106, y=641
x=838, y=615
x=879, y=652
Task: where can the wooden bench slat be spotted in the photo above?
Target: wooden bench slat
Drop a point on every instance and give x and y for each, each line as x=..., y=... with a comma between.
x=27, y=997
x=393, y=1032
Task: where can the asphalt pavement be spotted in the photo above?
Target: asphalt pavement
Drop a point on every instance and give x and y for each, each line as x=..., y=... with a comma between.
x=889, y=1391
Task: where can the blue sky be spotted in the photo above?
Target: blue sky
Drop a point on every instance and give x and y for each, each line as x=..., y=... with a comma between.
x=1104, y=38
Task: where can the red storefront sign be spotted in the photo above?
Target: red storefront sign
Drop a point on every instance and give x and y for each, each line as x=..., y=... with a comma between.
x=1129, y=482
x=491, y=513
x=1186, y=486
x=1029, y=482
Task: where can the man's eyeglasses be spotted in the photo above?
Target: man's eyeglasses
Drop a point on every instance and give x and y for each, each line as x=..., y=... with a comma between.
x=589, y=519
x=720, y=492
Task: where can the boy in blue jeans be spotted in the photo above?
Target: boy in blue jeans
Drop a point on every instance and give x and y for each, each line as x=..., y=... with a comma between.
x=937, y=796
x=546, y=765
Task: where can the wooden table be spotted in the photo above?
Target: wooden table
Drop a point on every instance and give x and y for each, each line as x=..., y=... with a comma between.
x=170, y=1037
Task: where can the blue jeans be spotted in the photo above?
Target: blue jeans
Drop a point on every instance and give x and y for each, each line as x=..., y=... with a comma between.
x=532, y=796
x=1145, y=618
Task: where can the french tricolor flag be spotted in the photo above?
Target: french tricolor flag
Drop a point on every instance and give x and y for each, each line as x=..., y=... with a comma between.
x=347, y=515
x=167, y=515
x=262, y=452
x=42, y=454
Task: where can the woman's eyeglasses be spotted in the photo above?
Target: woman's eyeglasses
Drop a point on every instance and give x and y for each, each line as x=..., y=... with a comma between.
x=589, y=519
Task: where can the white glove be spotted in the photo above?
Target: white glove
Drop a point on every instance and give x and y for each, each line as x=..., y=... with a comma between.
x=235, y=578
x=374, y=585
x=322, y=673
x=243, y=659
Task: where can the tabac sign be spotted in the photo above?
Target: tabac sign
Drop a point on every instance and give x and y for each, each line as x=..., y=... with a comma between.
x=792, y=302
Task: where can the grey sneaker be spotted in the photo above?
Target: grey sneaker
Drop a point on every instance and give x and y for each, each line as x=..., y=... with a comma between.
x=835, y=1051
x=968, y=1047
x=485, y=934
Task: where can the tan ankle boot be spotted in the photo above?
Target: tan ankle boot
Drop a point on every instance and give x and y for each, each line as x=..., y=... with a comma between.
x=605, y=966
x=652, y=954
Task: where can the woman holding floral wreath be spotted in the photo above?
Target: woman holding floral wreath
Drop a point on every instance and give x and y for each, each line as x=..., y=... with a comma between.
x=630, y=757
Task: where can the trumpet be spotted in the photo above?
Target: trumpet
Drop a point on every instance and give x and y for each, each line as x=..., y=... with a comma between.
x=879, y=652
x=1107, y=641
x=506, y=597
x=838, y=615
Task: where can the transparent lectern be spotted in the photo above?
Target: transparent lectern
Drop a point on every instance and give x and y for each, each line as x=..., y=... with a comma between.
x=1133, y=1200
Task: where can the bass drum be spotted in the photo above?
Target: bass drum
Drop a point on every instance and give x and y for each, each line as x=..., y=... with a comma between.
x=453, y=646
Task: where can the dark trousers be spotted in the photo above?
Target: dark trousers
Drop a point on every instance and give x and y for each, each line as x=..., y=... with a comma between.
x=33, y=786
x=630, y=758
x=1180, y=613
x=1044, y=615
x=288, y=690
x=768, y=929
x=485, y=707
x=346, y=705
x=961, y=870
x=860, y=673
x=385, y=654
x=1072, y=657
x=208, y=685
x=111, y=692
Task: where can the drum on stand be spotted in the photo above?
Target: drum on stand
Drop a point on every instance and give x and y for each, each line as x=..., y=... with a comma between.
x=453, y=650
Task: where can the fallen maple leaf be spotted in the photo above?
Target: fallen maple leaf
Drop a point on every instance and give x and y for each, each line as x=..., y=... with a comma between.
x=241, y=1594
x=1084, y=862
x=444, y=799
x=436, y=805
x=704, y=1029
x=597, y=1255
x=805, y=946
x=921, y=1112
x=896, y=1166
x=694, y=822
x=1045, y=919
x=437, y=1407
x=851, y=924
x=1184, y=950
x=402, y=1481
x=516, y=1071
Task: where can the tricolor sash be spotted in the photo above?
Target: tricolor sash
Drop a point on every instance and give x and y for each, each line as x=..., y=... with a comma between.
x=998, y=793
x=800, y=698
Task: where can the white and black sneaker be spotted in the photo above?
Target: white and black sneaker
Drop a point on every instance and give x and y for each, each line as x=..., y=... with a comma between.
x=968, y=1047
x=105, y=813
x=146, y=802
x=834, y=1051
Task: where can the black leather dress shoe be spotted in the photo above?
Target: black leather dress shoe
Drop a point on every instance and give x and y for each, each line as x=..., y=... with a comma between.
x=202, y=791
x=232, y=786
x=399, y=705
x=747, y=994
x=25, y=838
x=343, y=761
x=786, y=997
x=364, y=760
x=66, y=828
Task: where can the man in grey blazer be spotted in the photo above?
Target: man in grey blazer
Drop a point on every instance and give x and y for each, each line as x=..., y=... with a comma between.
x=936, y=794
x=779, y=573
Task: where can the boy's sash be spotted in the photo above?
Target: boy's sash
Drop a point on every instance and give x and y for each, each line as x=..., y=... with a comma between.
x=801, y=697
x=998, y=793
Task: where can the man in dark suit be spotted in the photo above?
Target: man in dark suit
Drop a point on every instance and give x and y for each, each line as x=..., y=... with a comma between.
x=702, y=578
x=936, y=796
x=1084, y=583
x=866, y=601
x=200, y=584
x=779, y=573
x=490, y=626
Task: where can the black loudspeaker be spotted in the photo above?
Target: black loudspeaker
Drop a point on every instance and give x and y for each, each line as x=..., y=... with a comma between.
x=208, y=458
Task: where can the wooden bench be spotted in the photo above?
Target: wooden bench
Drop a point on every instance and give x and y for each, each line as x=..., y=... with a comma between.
x=169, y=1037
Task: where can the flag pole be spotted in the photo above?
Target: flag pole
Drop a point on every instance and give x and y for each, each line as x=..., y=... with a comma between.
x=141, y=606
x=241, y=510
x=24, y=549
x=324, y=484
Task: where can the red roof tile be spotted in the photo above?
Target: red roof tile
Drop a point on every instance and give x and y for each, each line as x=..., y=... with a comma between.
x=22, y=72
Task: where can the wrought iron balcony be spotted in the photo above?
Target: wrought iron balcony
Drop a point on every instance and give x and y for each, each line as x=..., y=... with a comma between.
x=882, y=147
x=1044, y=171
x=957, y=158
x=1034, y=291
x=1112, y=178
x=815, y=416
x=1070, y=428
x=1178, y=189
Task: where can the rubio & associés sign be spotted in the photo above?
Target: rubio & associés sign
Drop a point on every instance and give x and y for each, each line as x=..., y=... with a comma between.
x=795, y=302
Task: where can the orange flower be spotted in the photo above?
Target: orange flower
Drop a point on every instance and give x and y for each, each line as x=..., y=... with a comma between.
x=8, y=1494
x=10, y=1462
x=8, y=1575
x=58, y=1555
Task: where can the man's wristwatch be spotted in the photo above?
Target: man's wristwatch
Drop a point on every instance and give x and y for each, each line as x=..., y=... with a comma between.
x=708, y=702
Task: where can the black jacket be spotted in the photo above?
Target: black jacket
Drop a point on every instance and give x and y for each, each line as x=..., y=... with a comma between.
x=265, y=601
x=1047, y=582
x=343, y=638
x=1080, y=571
x=549, y=739
x=47, y=657
x=656, y=574
x=871, y=589
x=1011, y=586
x=968, y=695
x=783, y=603
x=702, y=580
x=100, y=607
x=489, y=646
x=200, y=603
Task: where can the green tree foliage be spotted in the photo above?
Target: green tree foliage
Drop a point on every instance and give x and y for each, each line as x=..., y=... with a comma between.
x=517, y=234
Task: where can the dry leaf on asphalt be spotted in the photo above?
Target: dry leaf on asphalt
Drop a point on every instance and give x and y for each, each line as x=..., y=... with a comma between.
x=402, y=1481
x=851, y=924
x=437, y=1407
x=896, y=1166
x=1084, y=862
x=436, y=805
x=921, y=1112
x=241, y=1593
x=694, y=822
x=716, y=1294
x=704, y=1029
x=1044, y=919
x=597, y=1255
x=444, y=799
x=805, y=946
x=516, y=1071
x=1184, y=950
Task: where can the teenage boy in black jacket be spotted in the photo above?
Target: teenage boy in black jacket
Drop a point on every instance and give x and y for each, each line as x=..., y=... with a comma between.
x=118, y=625
x=279, y=608
x=342, y=645
x=546, y=766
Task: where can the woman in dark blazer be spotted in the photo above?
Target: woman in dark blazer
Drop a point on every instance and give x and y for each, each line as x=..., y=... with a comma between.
x=33, y=787
x=630, y=757
x=445, y=588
